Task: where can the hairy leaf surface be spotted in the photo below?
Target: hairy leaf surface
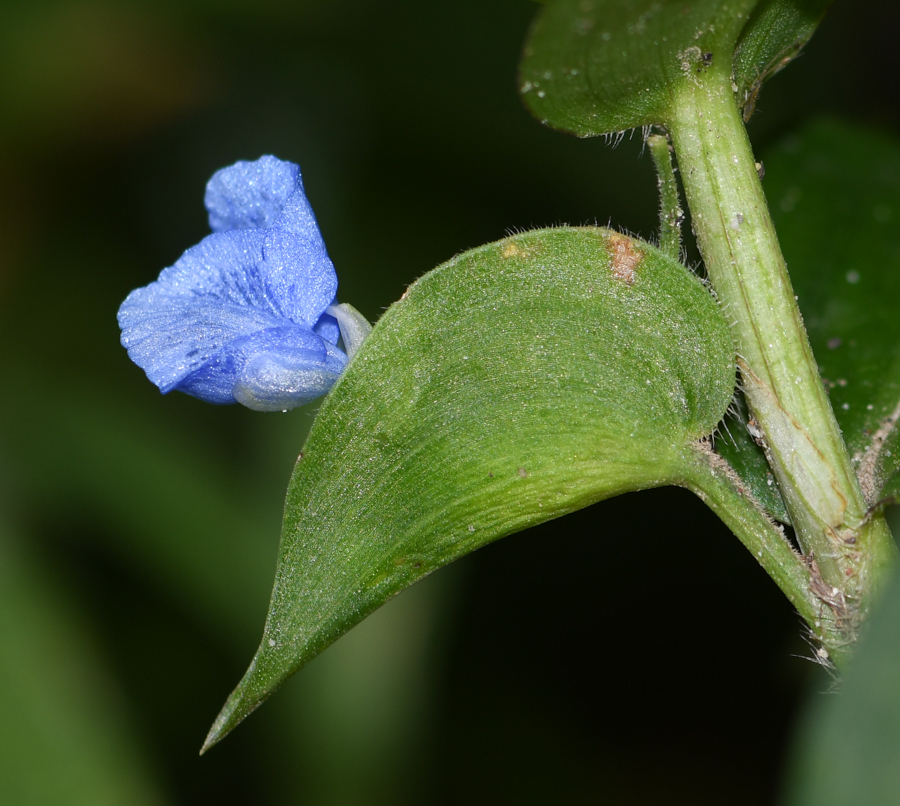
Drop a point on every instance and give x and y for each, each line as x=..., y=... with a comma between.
x=516, y=383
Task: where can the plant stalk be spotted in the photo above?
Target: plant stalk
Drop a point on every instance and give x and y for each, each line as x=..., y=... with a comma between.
x=713, y=480
x=845, y=549
x=670, y=212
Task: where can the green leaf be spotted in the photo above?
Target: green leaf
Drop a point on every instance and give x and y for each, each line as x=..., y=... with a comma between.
x=597, y=66
x=834, y=191
x=848, y=747
x=516, y=383
x=774, y=35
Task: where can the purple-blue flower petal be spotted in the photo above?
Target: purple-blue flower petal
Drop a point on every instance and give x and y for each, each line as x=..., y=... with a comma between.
x=284, y=377
x=251, y=194
x=299, y=275
x=297, y=217
x=230, y=285
x=327, y=327
x=214, y=294
x=250, y=358
x=241, y=316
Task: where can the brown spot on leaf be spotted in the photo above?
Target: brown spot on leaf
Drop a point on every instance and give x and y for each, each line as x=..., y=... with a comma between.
x=510, y=250
x=624, y=258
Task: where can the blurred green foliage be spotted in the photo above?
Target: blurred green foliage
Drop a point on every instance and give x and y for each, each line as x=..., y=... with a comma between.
x=138, y=534
x=850, y=743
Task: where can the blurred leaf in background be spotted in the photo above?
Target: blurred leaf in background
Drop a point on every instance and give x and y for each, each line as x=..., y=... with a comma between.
x=59, y=702
x=848, y=748
x=834, y=188
x=142, y=530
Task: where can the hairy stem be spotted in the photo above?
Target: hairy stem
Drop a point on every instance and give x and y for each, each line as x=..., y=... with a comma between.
x=712, y=479
x=737, y=239
x=670, y=213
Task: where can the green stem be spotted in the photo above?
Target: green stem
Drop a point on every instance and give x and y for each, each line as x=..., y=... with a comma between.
x=737, y=239
x=670, y=212
x=712, y=479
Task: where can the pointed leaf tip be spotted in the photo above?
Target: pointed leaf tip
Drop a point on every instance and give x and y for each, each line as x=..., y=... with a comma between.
x=516, y=383
x=242, y=702
x=225, y=722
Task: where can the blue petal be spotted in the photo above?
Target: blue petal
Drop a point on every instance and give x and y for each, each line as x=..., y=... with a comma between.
x=279, y=380
x=213, y=295
x=242, y=314
x=299, y=275
x=264, y=366
x=327, y=327
x=251, y=194
x=194, y=328
x=297, y=217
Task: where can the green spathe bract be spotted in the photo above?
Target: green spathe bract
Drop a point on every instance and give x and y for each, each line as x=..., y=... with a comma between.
x=516, y=383
x=597, y=66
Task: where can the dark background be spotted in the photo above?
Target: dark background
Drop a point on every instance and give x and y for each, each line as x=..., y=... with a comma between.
x=630, y=653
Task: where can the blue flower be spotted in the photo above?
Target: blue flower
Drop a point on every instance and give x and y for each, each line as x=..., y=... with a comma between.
x=249, y=314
